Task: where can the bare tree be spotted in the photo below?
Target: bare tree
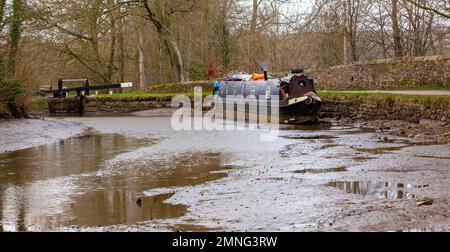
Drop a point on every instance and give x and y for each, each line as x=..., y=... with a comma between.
x=181, y=40
x=396, y=30
x=443, y=11
x=15, y=32
x=143, y=56
x=158, y=12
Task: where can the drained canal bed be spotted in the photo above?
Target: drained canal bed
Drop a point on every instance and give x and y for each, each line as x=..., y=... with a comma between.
x=137, y=174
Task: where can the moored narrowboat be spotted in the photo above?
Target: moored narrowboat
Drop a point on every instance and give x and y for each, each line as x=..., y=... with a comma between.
x=297, y=97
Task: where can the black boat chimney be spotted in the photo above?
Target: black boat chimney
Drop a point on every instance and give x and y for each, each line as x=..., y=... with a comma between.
x=265, y=67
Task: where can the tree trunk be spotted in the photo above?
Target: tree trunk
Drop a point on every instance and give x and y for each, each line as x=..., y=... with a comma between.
x=254, y=17
x=398, y=49
x=252, y=58
x=2, y=11
x=112, y=49
x=2, y=59
x=16, y=23
x=355, y=11
x=160, y=65
x=345, y=32
x=95, y=14
x=143, y=66
x=168, y=38
x=205, y=26
x=189, y=55
x=354, y=50
x=121, y=55
x=175, y=57
x=222, y=34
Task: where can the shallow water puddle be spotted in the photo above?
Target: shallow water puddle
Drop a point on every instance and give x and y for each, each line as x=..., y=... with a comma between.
x=320, y=171
x=310, y=137
x=425, y=230
x=381, y=150
x=381, y=190
x=70, y=183
x=432, y=157
x=308, y=127
x=73, y=156
x=353, y=131
x=108, y=208
x=194, y=228
x=330, y=146
x=362, y=159
x=394, y=141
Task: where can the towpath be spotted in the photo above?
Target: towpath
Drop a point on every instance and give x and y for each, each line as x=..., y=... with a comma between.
x=406, y=92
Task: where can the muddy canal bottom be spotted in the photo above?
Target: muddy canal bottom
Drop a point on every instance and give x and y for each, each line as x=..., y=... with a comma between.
x=138, y=174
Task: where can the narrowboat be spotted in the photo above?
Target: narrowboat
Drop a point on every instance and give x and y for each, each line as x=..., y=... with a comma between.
x=298, y=100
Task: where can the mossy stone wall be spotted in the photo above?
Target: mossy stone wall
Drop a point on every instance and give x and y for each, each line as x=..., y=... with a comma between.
x=387, y=108
x=417, y=72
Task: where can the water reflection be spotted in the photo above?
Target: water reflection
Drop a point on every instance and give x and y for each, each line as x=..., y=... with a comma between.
x=381, y=150
x=101, y=208
x=382, y=190
x=74, y=156
x=322, y=170
x=424, y=230
x=309, y=137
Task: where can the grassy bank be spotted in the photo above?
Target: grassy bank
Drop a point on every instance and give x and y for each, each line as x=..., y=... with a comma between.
x=143, y=94
x=362, y=94
x=181, y=87
x=327, y=95
x=37, y=102
x=403, y=87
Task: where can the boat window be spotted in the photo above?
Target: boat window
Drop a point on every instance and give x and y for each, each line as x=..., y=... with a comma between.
x=253, y=90
x=268, y=93
x=222, y=87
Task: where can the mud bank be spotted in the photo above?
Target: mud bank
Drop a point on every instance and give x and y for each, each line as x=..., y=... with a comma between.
x=426, y=132
x=28, y=133
x=138, y=174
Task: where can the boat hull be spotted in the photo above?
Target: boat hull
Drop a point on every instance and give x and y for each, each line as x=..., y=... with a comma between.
x=304, y=111
x=298, y=113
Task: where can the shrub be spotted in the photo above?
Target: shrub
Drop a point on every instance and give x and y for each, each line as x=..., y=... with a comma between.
x=12, y=102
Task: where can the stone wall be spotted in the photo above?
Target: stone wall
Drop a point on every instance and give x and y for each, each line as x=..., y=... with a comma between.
x=98, y=106
x=385, y=74
x=387, y=108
